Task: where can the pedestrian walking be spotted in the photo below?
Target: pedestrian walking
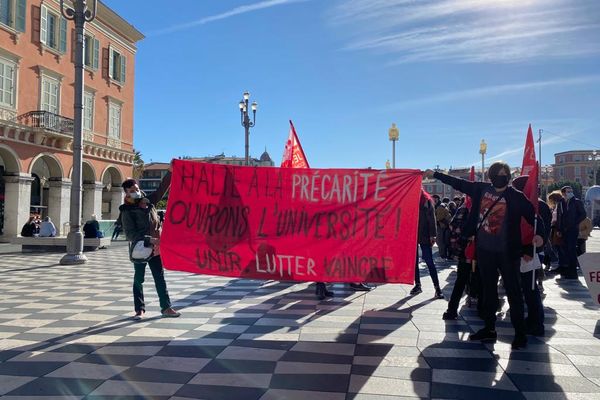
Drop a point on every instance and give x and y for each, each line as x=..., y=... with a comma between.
x=117, y=228
x=141, y=223
x=495, y=221
x=426, y=238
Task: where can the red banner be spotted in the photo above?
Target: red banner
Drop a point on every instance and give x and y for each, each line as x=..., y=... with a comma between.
x=327, y=225
x=529, y=154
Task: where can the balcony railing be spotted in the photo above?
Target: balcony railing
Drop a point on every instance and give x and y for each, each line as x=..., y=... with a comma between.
x=48, y=121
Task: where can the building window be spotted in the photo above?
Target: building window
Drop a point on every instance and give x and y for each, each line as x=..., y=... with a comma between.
x=561, y=172
x=577, y=171
x=116, y=66
x=13, y=14
x=91, y=52
x=7, y=83
x=50, y=95
x=88, y=111
x=53, y=30
x=114, y=120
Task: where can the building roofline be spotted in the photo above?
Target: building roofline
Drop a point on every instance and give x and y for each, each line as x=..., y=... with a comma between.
x=118, y=23
x=573, y=151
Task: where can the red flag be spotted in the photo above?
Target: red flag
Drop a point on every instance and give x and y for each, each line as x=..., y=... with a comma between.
x=529, y=154
x=293, y=155
x=468, y=201
x=531, y=191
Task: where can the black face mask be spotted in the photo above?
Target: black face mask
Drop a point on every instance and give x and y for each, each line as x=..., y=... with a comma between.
x=499, y=181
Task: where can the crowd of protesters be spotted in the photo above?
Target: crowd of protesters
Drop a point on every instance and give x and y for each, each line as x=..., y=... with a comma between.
x=480, y=230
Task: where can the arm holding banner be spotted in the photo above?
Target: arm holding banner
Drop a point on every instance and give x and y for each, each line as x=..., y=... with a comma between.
x=165, y=184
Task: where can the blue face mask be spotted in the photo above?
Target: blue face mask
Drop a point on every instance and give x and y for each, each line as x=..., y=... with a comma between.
x=570, y=195
x=135, y=195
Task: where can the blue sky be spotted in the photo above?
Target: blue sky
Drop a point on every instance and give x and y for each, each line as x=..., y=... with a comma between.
x=448, y=72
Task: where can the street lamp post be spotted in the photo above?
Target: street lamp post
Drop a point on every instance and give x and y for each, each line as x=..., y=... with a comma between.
x=595, y=157
x=393, y=134
x=246, y=123
x=80, y=14
x=482, y=151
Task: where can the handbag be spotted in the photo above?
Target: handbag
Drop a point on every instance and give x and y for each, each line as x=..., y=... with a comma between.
x=139, y=252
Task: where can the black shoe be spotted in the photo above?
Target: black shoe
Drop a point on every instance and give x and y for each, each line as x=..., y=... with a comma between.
x=328, y=293
x=449, y=316
x=360, y=287
x=438, y=294
x=519, y=342
x=320, y=291
x=416, y=290
x=484, y=335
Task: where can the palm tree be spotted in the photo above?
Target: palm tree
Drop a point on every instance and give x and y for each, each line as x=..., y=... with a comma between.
x=138, y=164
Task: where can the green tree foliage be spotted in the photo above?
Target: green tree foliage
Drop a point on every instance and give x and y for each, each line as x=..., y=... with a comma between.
x=138, y=164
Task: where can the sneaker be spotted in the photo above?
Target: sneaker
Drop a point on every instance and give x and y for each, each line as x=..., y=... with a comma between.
x=484, y=335
x=170, y=313
x=519, y=342
x=360, y=287
x=138, y=315
x=416, y=290
x=438, y=294
x=449, y=316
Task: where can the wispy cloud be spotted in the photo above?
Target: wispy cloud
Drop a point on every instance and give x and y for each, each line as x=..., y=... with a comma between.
x=496, y=90
x=470, y=30
x=224, y=15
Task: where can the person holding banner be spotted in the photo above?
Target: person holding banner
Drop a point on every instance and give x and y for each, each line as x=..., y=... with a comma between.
x=426, y=239
x=140, y=221
x=495, y=222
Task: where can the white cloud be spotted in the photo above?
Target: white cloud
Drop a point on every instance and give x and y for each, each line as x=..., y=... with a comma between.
x=227, y=14
x=470, y=30
x=496, y=90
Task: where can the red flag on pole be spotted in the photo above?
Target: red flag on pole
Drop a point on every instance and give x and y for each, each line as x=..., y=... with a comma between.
x=529, y=154
x=293, y=155
x=531, y=192
x=468, y=201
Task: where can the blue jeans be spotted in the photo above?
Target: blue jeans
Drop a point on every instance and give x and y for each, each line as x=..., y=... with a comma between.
x=427, y=254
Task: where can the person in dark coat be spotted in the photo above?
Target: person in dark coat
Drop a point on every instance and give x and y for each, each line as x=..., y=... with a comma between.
x=495, y=222
x=570, y=214
x=426, y=238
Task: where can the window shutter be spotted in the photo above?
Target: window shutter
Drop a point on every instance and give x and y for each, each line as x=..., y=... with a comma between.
x=111, y=60
x=96, y=54
x=63, y=36
x=5, y=12
x=21, y=13
x=44, y=25
x=122, y=69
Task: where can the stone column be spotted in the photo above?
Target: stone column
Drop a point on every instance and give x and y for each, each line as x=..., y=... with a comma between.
x=116, y=199
x=17, y=201
x=59, y=201
x=92, y=200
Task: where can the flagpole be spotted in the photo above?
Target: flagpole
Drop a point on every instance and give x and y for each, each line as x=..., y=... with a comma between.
x=534, y=253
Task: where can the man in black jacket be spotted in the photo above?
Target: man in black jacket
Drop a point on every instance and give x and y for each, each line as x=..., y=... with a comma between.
x=495, y=222
x=570, y=214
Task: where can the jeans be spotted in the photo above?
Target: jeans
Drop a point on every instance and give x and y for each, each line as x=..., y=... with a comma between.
x=535, y=310
x=489, y=264
x=570, y=239
x=443, y=239
x=463, y=275
x=428, y=258
x=157, y=270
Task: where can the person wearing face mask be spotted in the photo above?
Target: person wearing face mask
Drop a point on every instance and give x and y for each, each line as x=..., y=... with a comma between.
x=570, y=214
x=140, y=219
x=495, y=223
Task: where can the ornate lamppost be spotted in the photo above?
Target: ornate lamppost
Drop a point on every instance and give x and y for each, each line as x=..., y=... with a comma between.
x=482, y=151
x=246, y=123
x=80, y=14
x=393, y=133
x=595, y=157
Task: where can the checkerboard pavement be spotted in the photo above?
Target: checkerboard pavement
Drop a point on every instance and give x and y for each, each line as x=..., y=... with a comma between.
x=66, y=333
